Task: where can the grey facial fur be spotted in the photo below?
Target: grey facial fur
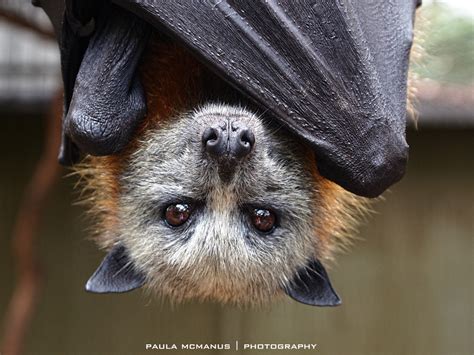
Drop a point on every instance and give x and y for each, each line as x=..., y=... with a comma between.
x=217, y=254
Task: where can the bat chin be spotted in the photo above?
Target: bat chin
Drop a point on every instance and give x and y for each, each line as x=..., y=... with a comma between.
x=117, y=274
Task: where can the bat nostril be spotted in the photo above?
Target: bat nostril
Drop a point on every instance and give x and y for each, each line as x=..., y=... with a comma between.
x=247, y=138
x=243, y=143
x=213, y=142
x=210, y=135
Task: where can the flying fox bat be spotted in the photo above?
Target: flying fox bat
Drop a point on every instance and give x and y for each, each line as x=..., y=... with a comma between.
x=332, y=73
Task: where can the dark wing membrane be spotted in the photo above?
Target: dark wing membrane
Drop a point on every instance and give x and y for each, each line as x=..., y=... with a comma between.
x=103, y=100
x=333, y=72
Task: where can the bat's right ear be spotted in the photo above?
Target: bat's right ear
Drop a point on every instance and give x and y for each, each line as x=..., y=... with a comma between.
x=115, y=274
x=311, y=286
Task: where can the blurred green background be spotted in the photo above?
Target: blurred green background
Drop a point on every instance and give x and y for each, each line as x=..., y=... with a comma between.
x=407, y=285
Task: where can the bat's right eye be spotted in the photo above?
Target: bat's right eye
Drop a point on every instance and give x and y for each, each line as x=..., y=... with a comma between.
x=177, y=214
x=263, y=220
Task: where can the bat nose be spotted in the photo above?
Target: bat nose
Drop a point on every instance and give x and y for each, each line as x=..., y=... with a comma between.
x=228, y=139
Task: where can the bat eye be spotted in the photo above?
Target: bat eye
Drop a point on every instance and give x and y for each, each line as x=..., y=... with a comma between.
x=263, y=220
x=177, y=214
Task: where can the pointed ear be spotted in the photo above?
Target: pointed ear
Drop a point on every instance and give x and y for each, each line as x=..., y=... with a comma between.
x=311, y=286
x=115, y=274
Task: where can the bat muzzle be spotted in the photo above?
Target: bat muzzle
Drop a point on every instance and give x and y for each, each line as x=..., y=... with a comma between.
x=228, y=140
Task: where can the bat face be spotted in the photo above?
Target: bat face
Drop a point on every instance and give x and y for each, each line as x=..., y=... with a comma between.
x=216, y=205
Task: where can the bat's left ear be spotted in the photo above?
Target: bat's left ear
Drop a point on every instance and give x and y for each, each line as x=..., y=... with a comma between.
x=311, y=286
x=115, y=274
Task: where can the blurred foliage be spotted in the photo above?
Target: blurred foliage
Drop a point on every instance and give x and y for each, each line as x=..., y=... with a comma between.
x=448, y=41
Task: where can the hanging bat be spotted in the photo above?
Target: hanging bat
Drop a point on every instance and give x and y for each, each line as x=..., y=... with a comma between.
x=332, y=74
x=211, y=199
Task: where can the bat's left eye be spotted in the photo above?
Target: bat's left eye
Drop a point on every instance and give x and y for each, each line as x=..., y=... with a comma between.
x=176, y=214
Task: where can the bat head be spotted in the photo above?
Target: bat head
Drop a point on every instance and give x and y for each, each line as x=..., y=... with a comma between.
x=217, y=204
